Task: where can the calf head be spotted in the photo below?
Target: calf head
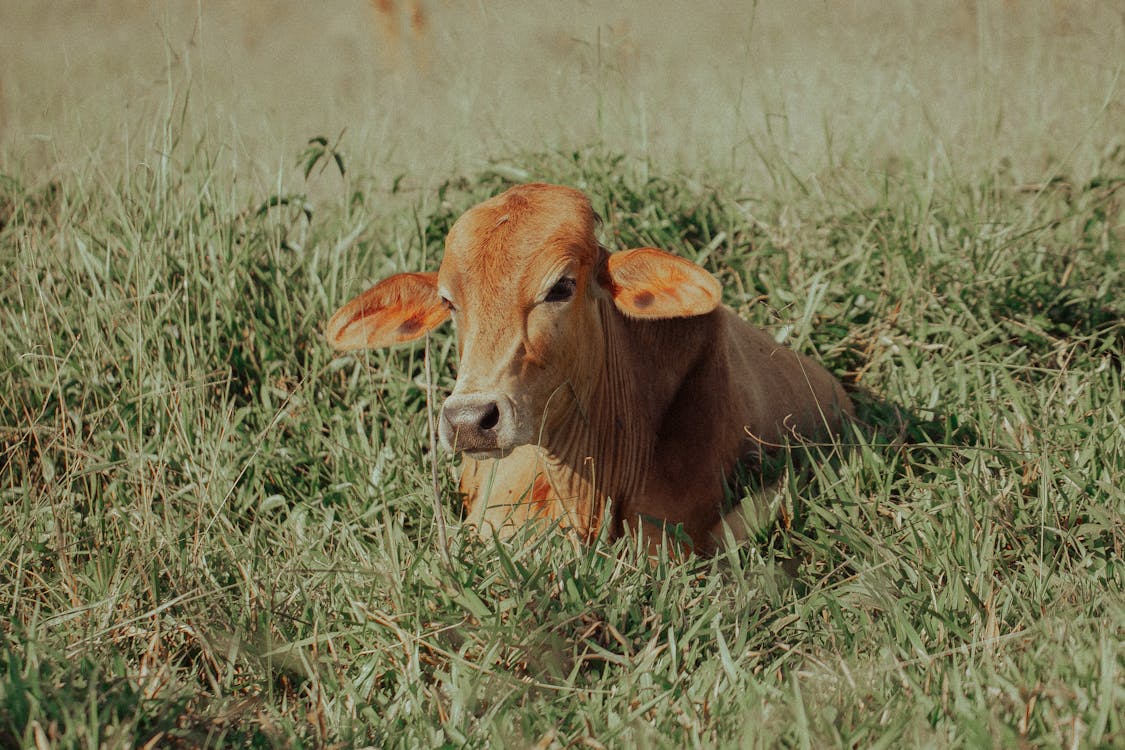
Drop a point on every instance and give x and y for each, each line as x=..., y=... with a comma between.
x=529, y=289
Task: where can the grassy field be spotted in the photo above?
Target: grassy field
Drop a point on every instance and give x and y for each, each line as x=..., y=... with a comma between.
x=213, y=532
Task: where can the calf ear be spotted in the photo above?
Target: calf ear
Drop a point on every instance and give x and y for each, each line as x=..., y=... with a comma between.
x=398, y=309
x=650, y=283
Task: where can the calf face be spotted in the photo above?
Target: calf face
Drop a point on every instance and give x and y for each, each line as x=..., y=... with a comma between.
x=522, y=277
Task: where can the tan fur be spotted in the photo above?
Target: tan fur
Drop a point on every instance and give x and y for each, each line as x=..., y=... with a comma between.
x=641, y=389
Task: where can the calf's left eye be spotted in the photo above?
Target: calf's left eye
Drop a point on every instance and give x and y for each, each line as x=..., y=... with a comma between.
x=562, y=290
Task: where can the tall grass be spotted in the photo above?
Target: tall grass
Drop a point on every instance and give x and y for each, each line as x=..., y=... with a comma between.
x=214, y=532
x=219, y=534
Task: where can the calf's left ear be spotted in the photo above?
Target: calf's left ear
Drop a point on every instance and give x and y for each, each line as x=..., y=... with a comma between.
x=650, y=283
x=398, y=309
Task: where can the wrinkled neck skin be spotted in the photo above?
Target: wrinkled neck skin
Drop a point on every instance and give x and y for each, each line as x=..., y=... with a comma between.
x=597, y=438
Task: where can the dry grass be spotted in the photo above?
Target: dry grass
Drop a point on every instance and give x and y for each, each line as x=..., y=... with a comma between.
x=214, y=532
x=715, y=85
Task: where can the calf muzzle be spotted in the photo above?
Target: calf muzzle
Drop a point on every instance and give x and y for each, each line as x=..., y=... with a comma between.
x=476, y=423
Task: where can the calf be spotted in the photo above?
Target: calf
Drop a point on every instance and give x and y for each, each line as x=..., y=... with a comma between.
x=587, y=376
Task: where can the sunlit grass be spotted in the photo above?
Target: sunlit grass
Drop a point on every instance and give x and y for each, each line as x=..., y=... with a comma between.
x=770, y=91
x=220, y=533
x=214, y=532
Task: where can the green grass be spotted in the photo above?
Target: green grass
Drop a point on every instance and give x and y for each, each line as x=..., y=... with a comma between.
x=213, y=532
x=216, y=533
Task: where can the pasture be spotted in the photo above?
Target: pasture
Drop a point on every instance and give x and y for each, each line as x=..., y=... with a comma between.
x=215, y=532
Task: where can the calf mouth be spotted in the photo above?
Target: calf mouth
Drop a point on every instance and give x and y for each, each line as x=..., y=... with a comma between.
x=479, y=455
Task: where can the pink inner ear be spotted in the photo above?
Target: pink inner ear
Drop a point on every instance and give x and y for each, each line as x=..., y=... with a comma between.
x=412, y=325
x=420, y=322
x=650, y=283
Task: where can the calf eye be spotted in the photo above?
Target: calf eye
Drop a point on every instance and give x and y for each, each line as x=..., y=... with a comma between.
x=448, y=305
x=561, y=291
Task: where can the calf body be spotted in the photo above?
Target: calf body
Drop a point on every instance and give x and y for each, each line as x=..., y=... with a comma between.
x=588, y=377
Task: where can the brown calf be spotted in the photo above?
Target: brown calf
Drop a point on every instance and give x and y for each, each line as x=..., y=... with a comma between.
x=588, y=376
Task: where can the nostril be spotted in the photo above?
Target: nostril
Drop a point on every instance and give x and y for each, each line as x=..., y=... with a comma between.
x=491, y=417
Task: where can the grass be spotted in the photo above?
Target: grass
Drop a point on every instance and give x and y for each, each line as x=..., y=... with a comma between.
x=219, y=534
x=213, y=532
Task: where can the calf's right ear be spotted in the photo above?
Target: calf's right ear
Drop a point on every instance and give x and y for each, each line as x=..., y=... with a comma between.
x=401, y=308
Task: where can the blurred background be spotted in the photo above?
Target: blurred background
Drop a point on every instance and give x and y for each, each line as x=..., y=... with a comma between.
x=421, y=91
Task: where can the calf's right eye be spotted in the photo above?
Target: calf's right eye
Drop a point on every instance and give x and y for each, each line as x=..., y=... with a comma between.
x=562, y=290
